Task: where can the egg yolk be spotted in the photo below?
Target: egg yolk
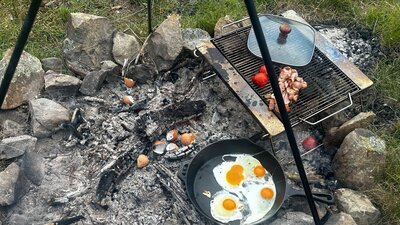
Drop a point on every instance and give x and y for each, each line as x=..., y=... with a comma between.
x=229, y=204
x=235, y=175
x=267, y=193
x=259, y=171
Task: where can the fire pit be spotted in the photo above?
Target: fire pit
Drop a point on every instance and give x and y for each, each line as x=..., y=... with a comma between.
x=331, y=77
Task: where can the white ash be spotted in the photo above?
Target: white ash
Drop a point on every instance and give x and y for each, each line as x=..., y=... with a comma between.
x=361, y=48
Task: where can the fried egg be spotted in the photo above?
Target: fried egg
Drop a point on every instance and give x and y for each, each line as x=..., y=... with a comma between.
x=243, y=176
x=260, y=197
x=229, y=175
x=253, y=170
x=226, y=207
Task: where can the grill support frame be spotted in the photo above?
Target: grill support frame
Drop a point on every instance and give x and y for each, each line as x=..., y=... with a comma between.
x=269, y=122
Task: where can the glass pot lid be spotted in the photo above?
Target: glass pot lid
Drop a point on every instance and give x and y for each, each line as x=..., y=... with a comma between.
x=289, y=42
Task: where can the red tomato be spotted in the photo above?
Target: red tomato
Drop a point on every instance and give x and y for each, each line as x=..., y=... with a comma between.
x=309, y=143
x=263, y=69
x=260, y=79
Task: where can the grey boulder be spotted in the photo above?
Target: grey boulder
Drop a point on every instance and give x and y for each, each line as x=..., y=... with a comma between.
x=33, y=167
x=125, y=46
x=27, y=81
x=219, y=26
x=16, y=146
x=357, y=205
x=193, y=36
x=294, y=218
x=57, y=85
x=12, y=128
x=53, y=63
x=93, y=82
x=88, y=42
x=341, y=219
x=46, y=116
x=9, y=183
x=165, y=43
x=336, y=135
x=359, y=159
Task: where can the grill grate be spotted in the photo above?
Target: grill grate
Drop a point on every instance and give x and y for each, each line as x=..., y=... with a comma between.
x=327, y=84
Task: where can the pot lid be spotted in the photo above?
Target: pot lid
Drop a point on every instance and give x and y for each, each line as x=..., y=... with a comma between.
x=295, y=48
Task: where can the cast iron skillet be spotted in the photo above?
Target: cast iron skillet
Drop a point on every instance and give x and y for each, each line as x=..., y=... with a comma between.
x=198, y=176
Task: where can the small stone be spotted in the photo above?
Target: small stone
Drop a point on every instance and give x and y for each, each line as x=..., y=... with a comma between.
x=53, y=63
x=124, y=47
x=341, y=219
x=27, y=81
x=218, y=31
x=8, y=185
x=193, y=36
x=359, y=159
x=165, y=43
x=60, y=84
x=142, y=161
x=46, y=116
x=111, y=67
x=336, y=135
x=294, y=218
x=357, y=205
x=16, y=146
x=93, y=82
x=11, y=128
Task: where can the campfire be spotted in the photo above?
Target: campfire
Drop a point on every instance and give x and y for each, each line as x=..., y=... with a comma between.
x=119, y=150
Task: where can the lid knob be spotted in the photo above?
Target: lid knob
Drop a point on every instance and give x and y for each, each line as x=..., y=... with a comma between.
x=284, y=29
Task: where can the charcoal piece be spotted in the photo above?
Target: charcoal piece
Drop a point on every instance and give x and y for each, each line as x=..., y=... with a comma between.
x=116, y=173
x=152, y=124
x=180, y=110
x=68, y=221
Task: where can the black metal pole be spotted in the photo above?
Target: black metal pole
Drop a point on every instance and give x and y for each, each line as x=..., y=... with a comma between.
x=149, y=17
x=19, y=47
x=282, y=109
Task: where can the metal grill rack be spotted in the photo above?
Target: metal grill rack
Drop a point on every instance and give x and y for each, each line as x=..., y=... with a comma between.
x=327, y=84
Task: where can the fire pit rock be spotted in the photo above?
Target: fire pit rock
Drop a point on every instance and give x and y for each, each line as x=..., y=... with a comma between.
x=294, y=218
x=88, y=42
x=357, y=205
x=33, y=167
x=193, y=36
x=53, y=63
x=359, y=159
x=218, y=31
x=10, y=185
x=336, y=135
x=11, y=128
x=341, y=219
x=27, y=81
x=46, y=116
x=60, y=84
x=165, y=43
x=125, y=46
x=93, y=82
x=16, y=146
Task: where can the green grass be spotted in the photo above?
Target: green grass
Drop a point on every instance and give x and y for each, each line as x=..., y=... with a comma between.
x=387, y=191
x=382, y=17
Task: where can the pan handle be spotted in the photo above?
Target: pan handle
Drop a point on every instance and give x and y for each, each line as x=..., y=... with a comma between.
x=320, y=197
x=182, y=172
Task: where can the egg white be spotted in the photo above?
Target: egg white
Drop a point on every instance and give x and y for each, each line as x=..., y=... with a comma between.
x=220, y=172
x=258, y=206
x=248, y=192
x=220, y=213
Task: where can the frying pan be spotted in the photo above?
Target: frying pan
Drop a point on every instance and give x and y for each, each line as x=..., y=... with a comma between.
x=198, y=176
